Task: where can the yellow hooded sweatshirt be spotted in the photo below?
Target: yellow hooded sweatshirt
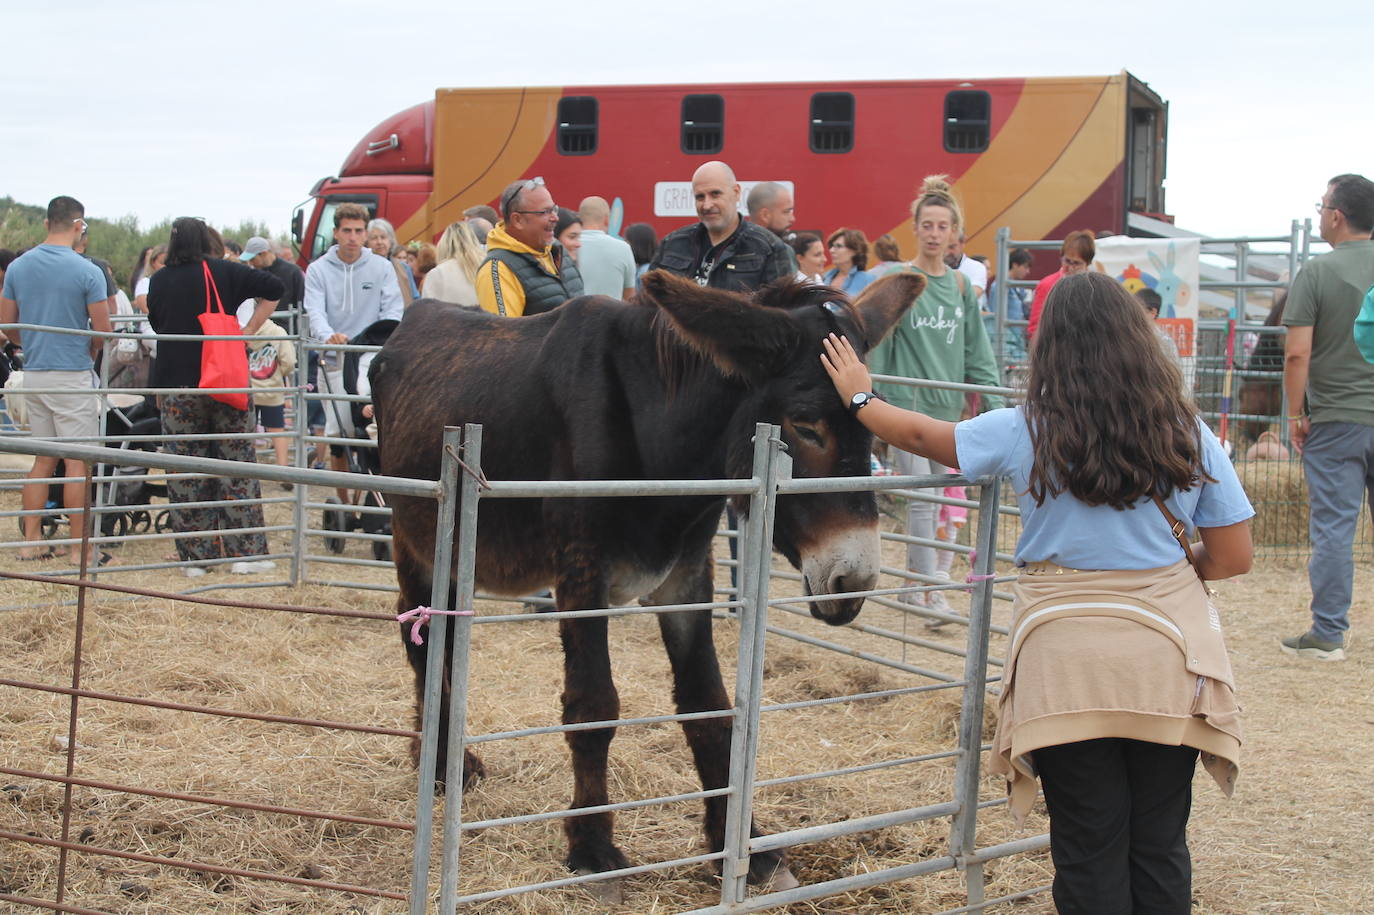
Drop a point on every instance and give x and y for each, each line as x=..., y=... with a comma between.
x=512, y=293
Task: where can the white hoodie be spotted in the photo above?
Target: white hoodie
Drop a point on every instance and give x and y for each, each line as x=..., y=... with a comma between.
x=348, y=298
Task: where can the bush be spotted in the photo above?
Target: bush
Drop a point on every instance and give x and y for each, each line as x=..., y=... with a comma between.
x=118, y=241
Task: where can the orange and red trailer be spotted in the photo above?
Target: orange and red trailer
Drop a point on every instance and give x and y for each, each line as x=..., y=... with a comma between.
x=1042, y=155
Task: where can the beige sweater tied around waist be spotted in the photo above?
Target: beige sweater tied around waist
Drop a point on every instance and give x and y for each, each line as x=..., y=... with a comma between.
x=1134, y=653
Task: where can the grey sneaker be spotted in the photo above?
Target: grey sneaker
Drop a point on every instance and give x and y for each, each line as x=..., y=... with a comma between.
x=1308, y=645
x=252, y=567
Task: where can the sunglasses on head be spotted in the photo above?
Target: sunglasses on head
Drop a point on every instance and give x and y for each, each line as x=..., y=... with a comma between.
x=516, y=190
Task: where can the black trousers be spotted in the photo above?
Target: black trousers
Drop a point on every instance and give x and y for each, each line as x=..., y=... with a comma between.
x=1118, y=826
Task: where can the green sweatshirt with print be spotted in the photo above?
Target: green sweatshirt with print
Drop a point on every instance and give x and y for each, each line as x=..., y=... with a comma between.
x=941, y=338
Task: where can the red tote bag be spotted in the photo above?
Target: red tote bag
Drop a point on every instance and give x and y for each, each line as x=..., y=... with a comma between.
x=223, y=363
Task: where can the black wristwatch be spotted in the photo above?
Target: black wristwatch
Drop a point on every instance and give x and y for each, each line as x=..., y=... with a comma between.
x=861, y=400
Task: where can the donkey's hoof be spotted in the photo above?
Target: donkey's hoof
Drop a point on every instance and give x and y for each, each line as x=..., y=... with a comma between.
x=768, y=873
x=781, y=879
x=472, y=769
x=605, y=892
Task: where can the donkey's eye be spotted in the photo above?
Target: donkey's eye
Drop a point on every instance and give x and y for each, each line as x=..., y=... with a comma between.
x=809, y=434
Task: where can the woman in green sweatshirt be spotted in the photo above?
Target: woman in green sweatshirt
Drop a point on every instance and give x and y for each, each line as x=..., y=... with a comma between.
x=942, y=338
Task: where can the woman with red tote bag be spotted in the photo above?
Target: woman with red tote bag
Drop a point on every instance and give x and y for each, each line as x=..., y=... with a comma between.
x=186, y=297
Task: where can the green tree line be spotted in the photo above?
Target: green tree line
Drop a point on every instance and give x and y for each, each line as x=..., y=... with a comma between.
x=118, y=241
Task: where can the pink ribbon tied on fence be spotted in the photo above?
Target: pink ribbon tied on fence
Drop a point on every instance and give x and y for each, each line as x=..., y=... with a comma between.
x=421, y=617
x=971, y=578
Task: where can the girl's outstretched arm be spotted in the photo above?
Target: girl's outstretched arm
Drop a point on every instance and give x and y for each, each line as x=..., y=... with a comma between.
x=910, y=431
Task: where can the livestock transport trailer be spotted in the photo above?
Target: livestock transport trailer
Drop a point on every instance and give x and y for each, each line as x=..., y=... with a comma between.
x=1044, y=156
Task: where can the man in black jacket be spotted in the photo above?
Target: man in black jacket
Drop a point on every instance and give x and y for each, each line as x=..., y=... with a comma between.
x=724, y=250
x=258, y=253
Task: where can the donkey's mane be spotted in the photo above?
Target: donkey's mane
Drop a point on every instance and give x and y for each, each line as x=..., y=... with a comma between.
x=679, y=361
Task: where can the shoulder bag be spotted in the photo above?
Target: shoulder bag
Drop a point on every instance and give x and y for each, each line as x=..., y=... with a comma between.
x=223, y=363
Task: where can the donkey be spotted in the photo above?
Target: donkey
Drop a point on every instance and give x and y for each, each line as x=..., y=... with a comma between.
x=1263, y=396
x=667, y=388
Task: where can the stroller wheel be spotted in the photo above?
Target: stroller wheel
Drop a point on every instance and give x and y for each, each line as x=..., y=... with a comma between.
x=140, y=521
x=381, y=550
x=163, y=522
x=115, y=525
x=47, y=527
x=335, y=519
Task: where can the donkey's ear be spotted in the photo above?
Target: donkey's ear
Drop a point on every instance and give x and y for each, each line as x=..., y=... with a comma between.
x=881, y=304
x=740, y=338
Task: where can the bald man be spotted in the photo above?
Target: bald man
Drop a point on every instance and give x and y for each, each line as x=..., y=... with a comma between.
x=606, y=263
x=723, y=250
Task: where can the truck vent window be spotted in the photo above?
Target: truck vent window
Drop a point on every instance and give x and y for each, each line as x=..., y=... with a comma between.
x=832, y=122
x=577, y=125
x=703, y=124
x=968, y=119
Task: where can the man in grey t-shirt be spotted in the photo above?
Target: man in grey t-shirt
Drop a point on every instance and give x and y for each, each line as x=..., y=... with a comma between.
x=1336, y=432
x=606, y=263
x=54, y=286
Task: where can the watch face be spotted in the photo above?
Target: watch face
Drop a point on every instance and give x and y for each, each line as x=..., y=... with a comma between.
x=858, y=400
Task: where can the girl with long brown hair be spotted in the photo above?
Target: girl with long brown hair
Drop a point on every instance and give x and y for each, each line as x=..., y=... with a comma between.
x=1116, y=676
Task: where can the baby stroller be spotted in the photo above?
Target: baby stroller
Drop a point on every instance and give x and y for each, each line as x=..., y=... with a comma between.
x=127, y=416
x=11, y=364
x=137, y=491
x=361, y=459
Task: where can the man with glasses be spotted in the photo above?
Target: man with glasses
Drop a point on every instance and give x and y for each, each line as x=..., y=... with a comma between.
x=526, y=272
x=724, y=250
x=54, y=286
x=1335, y=430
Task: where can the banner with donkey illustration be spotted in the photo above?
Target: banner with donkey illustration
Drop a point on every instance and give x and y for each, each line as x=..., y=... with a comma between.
x=1167, y=267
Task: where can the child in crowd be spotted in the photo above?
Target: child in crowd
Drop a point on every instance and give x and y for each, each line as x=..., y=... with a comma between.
x=1117, y=679
x=270, y=365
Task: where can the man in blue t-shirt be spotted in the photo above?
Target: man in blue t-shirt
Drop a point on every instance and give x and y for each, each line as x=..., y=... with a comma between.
x=52, y=285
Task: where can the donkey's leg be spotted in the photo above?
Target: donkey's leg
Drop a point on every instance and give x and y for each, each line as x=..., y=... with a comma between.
x=698, y=687
x=589, y=694
x=415, y=591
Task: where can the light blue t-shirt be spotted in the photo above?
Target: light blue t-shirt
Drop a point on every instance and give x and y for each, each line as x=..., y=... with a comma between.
x=606, y=263
x=54, y=285
x=1068, y=532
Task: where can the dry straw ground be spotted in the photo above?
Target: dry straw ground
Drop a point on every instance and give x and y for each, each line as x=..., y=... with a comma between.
x=1295, y=839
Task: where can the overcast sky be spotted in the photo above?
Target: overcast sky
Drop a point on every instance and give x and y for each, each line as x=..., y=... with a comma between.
x=156, y=108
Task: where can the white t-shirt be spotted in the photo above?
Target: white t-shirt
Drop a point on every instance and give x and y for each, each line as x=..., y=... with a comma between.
x=977, y=275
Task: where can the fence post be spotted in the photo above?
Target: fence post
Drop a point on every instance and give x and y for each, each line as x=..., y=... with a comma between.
x=300, y=490
x=963, y=836
x=755, y=563
x=466, y=575
x=999, y=307
x=434, y=669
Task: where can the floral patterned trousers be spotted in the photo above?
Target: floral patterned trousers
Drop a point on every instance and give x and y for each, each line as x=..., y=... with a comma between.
x=184, y=414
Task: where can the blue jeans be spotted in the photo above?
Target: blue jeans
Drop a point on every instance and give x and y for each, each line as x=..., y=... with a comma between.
x=1338, y=459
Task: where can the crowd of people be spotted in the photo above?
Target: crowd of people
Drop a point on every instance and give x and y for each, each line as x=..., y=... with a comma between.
x=1114, y=471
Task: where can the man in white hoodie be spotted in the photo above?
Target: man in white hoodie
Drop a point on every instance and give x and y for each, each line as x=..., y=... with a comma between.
x=346, y=291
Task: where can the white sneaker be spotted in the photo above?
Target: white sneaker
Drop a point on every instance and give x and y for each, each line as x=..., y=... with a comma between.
x=936, y=600
x=194, y=571
x=250, y=567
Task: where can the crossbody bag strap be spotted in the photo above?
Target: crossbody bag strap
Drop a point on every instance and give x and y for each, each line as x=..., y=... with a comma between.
x=496, y=287
x=1180, y=532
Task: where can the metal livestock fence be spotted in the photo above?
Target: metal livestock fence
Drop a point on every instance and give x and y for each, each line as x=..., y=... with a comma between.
x=751, y=611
